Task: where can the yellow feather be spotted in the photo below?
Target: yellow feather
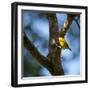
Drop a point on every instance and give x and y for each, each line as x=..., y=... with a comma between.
x=61, y=39
x=62, y=43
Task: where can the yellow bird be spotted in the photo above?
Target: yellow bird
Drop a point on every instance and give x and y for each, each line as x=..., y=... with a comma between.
x=62, y=43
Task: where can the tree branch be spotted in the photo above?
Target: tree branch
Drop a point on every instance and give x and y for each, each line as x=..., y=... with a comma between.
x=77, y=23
x=54, y=52
x=66, y=25
x=53, y=30
x=53, y=60
x=35, y=53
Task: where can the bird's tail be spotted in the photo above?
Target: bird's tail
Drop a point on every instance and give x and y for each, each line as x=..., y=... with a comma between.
x=70, y=49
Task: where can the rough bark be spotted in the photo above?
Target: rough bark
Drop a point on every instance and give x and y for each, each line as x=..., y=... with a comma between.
x=54, y=52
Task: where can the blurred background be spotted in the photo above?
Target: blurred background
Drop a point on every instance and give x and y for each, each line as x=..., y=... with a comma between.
x=36, y=26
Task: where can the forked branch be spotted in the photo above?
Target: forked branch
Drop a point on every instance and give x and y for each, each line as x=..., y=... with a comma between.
x=53, y=60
